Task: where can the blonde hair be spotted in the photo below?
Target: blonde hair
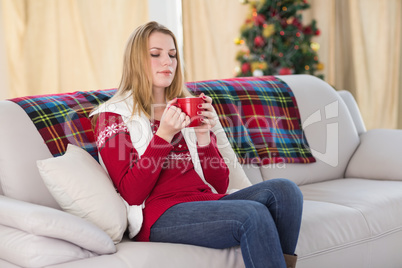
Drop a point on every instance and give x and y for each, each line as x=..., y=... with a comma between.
x=136, y=77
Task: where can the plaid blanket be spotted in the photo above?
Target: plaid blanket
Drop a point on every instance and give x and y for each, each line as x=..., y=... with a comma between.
x=63, y=118
x=259, y=115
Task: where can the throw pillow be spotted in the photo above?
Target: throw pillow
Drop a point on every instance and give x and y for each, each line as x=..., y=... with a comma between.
x=82, y=187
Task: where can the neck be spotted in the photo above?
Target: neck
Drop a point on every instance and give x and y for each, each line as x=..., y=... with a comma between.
x=159, y=96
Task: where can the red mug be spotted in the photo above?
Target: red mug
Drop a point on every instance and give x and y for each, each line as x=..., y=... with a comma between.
x=190, y=107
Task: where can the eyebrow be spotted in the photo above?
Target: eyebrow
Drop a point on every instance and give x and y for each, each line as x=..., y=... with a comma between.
x=173, y=49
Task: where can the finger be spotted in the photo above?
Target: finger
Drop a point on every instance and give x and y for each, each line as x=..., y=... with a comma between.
x=171, y=103
x=206, y=106
x=206, y=98
x=182, y=117
x=205, y=121
x=186, y=121
x=209, y=115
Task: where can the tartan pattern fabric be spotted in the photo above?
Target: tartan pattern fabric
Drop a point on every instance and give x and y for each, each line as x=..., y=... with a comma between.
x=260, y=117
x=63, y=118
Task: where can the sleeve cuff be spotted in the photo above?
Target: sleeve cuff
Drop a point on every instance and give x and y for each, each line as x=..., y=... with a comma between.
x=209, y=149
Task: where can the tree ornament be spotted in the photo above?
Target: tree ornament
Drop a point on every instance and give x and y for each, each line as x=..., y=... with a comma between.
x=259, y=41
x=259, y=20
x=238, y=41
x=258, y=72
x=269, y=29
x=245, y=68
x=285, y=71
x=308, y=30
x=320, y=66
x=315, y=46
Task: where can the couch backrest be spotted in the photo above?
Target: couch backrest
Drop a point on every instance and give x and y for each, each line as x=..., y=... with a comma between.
x=329, y=129
x=20, y=147
x=327, y=123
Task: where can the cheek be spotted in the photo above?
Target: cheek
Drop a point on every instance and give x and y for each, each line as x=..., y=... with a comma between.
x=154, y=64
x=174, y=65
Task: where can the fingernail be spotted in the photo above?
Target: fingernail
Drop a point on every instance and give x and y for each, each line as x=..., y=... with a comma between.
x=204, y=97
x=199, y=113
x=199, y=106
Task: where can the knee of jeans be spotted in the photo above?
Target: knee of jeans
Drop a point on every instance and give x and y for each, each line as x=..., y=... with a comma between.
x=290, y=189
x=254, y=211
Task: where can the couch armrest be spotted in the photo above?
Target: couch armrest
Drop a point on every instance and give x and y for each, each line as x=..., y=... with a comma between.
x=378, y=156
x=52, y=223
x=354, y=111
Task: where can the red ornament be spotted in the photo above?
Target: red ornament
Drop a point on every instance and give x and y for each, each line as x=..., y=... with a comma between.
x=245, y=68
x=307, y=30
x=259, y=41
x=285, y=71
x=259, y=20
x=280, y=54
x=317, y=32
x=297, y=23
x=298, y=34
x=282, y=33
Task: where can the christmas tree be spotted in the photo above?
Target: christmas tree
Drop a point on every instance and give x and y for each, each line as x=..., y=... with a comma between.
x=276, y=40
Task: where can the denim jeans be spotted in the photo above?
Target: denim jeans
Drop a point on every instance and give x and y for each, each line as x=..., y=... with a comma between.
x=264, y=219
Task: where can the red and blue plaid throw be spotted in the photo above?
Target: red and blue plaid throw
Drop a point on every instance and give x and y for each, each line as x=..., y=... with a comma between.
x=63, y=118
x=259, y=115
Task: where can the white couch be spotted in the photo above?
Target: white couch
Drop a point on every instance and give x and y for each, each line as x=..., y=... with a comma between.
x=352, y=210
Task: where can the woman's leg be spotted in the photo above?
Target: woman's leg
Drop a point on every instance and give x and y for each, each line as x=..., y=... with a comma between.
x=223, y=224
x=284, y=201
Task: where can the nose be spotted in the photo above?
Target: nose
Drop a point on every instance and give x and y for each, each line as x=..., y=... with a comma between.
x=166, y=60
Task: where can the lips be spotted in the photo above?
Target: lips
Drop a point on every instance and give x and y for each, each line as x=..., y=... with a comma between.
x=166, y=72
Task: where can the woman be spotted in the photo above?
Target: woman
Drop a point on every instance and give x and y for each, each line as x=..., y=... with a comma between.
x=141, y=144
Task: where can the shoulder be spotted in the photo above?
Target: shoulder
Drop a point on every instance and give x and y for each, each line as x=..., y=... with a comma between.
x=107, y=125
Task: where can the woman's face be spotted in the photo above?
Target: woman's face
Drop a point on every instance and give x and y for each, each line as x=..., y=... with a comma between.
x=163, y=60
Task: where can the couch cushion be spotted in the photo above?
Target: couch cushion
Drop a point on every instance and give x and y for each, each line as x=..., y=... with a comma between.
x=82, y=187
x=327, y=226
x=378, y=156
x=343, y=212
x=21, y=145
x=329, y=130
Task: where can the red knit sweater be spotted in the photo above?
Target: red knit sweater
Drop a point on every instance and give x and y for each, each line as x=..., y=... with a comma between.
x=164, y=175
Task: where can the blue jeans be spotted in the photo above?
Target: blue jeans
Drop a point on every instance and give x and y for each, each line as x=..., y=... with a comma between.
x=264, y=219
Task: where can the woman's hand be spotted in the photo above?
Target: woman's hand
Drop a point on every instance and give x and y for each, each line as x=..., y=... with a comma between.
x=173, y=120
x=208, y=121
